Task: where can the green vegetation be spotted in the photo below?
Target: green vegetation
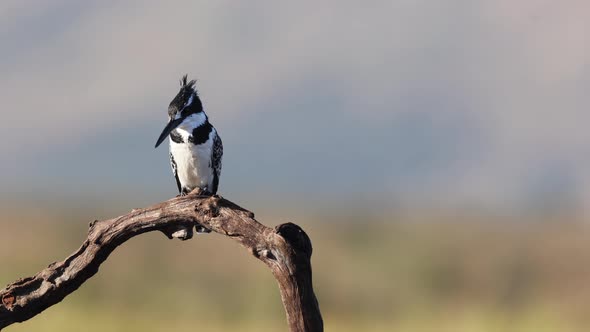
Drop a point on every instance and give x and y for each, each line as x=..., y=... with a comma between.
x=439, y=273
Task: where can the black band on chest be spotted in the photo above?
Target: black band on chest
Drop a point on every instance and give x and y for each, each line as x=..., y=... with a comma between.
x=200, y=134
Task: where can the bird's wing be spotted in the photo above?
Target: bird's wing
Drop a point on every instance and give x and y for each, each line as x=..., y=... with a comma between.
x=216, y=155
x=175, y=172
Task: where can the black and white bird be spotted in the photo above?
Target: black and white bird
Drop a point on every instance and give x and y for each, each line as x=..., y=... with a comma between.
x=195, y=147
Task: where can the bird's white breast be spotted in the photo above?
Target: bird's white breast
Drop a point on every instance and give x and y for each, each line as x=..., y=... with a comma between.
x=193, y=161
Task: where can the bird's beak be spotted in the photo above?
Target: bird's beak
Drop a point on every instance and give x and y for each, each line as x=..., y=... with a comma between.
x=172, y=124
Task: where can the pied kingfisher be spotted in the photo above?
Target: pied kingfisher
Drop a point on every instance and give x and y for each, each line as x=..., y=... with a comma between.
x=195, y=146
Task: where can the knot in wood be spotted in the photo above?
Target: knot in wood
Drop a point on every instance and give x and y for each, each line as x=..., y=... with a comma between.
x=209, y=207
x=263, y=252
x=295, y=236
x=8, y=300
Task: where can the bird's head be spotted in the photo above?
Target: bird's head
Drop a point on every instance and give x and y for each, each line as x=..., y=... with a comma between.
x=185, y=103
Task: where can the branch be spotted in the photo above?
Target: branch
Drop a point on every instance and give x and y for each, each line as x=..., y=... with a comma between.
x=286, y=250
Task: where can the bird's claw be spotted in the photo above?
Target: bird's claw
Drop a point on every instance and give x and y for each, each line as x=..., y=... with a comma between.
x=200, y=192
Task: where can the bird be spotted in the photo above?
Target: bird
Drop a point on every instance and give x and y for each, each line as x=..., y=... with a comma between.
x=196, y=150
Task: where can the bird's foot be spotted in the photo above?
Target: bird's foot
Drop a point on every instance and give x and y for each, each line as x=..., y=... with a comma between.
x=200, y=192
x=183, y=192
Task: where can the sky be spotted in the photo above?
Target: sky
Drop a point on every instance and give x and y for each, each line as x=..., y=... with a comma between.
x=411, y=102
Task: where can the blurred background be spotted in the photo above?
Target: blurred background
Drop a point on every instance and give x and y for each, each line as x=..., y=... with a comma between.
x=435, y=151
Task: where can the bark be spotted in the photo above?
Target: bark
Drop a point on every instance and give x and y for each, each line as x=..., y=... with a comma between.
x=286, y=250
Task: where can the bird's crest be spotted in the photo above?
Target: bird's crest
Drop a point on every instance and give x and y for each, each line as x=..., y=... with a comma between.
x=184, y=83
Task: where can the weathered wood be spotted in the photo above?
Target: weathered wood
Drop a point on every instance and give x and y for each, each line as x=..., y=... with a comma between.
x=286, y=250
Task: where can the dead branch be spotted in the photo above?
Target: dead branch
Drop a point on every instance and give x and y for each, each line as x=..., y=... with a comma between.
x=286, y=250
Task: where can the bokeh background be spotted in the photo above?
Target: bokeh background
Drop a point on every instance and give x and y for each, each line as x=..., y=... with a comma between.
x=436, y=152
